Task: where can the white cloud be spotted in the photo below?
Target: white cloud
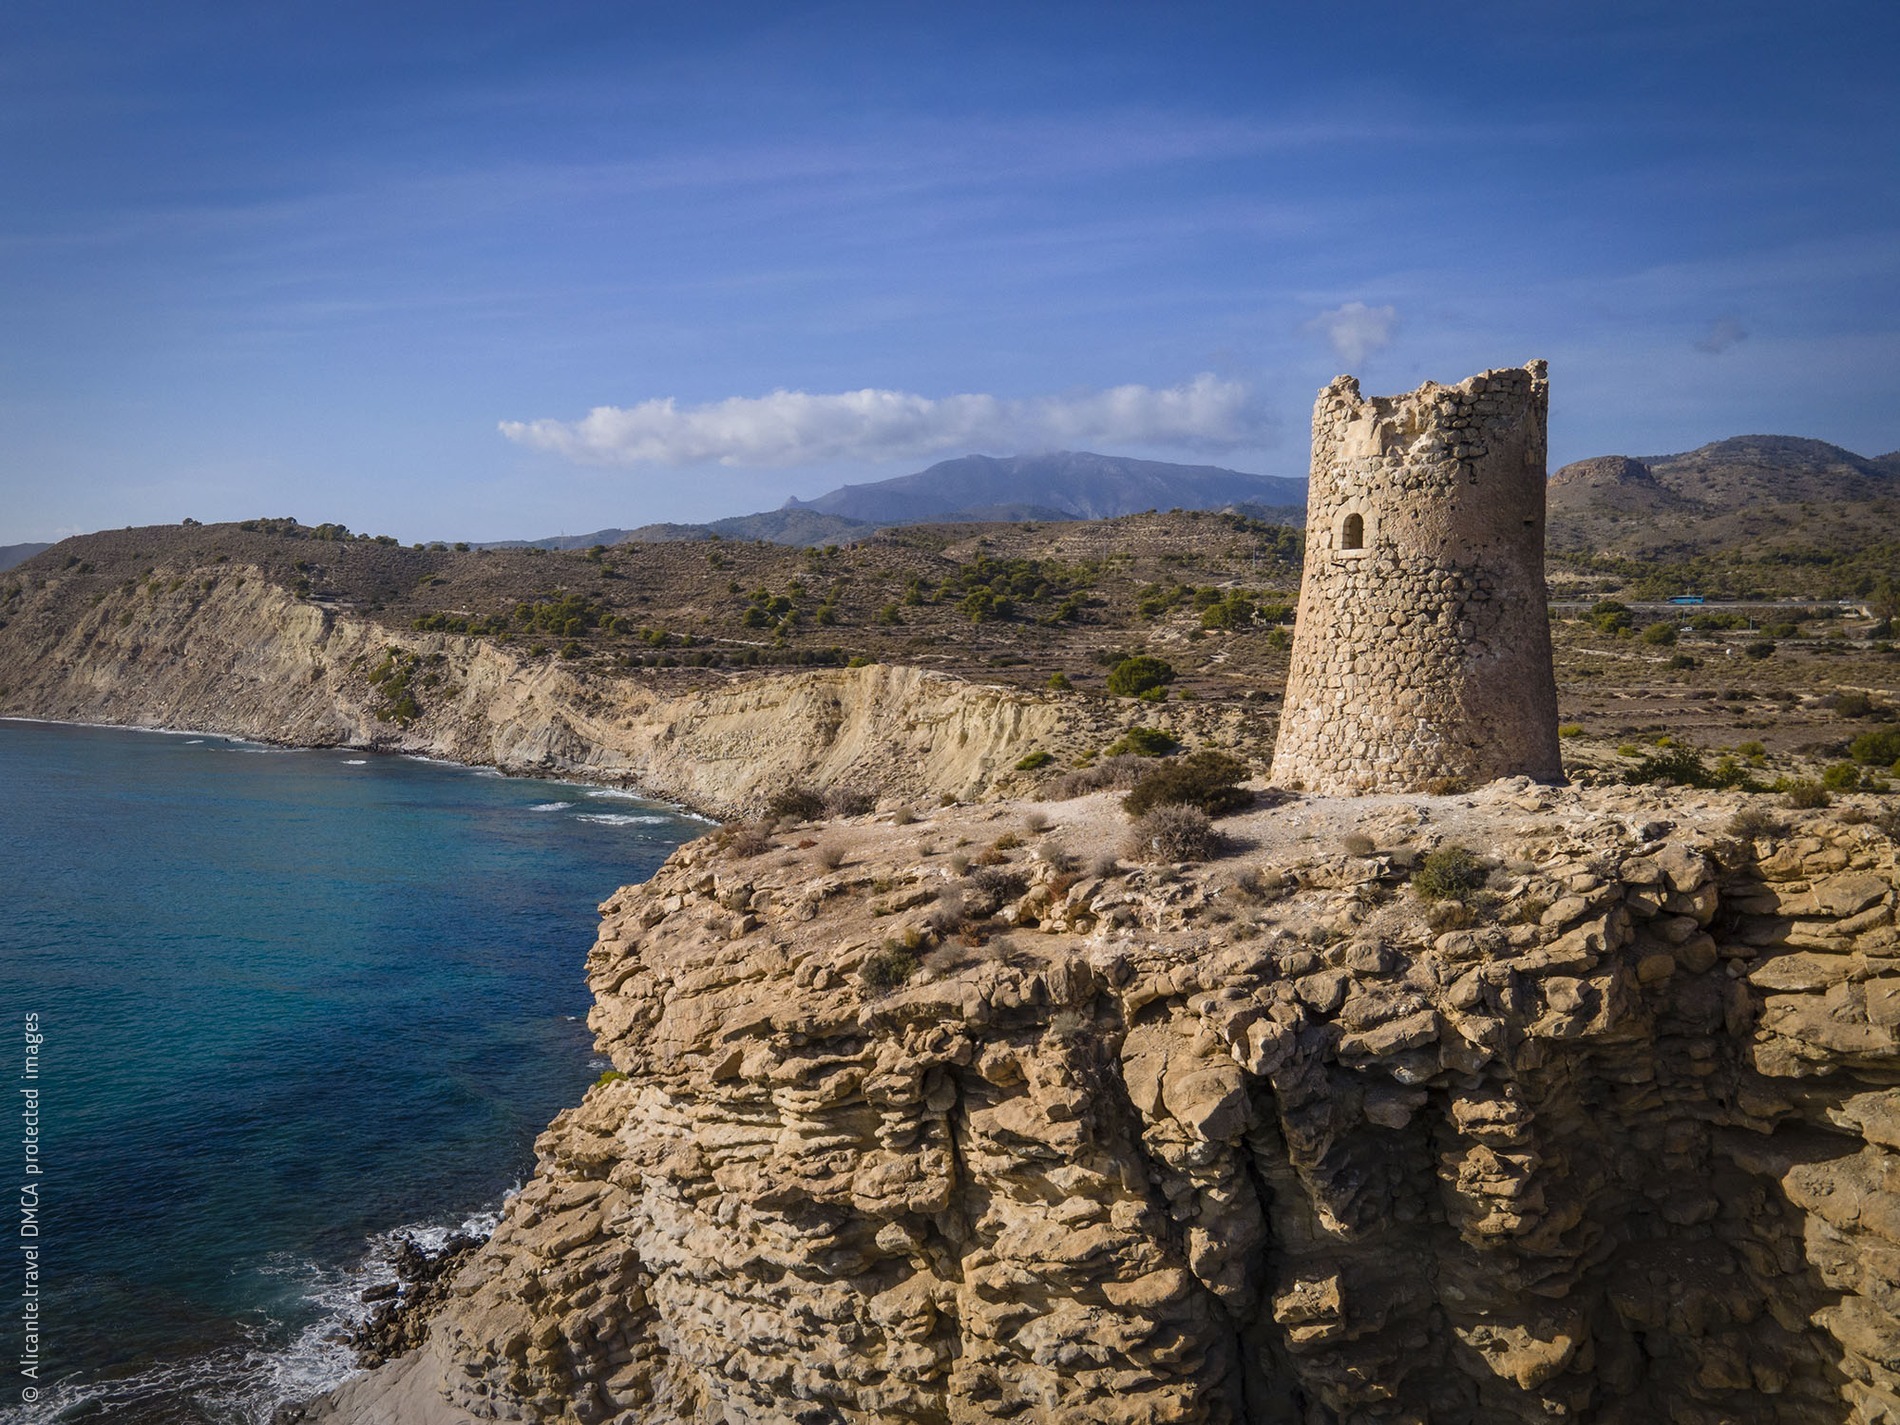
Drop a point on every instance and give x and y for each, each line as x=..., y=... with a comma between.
x=1356, y=330
x=799, y=428
x=1722, y=335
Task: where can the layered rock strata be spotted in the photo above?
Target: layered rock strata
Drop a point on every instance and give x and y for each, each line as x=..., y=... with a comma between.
x=932, y=1123
x=1422, y=650
x=222, y=649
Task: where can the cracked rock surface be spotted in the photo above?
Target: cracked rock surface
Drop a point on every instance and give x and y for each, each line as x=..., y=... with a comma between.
x=944, y=1121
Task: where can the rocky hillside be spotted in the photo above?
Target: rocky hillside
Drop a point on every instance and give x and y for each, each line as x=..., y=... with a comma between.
x=940, y=1121
x=1733, y=511
x=226, y=648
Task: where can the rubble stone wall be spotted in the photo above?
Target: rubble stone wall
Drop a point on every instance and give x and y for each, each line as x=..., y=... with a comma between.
x=1422, y=649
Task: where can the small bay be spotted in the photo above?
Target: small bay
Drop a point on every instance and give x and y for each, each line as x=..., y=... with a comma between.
x=293, y=1001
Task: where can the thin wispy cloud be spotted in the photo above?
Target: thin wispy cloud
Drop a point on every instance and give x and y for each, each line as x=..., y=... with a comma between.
x=1723, y=334
x=790, y=428
x=1355, y=331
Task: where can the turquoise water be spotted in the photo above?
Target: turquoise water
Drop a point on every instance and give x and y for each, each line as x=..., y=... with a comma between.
x=293, y=1001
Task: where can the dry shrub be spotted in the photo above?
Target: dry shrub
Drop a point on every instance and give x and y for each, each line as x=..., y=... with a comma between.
x=1104, y=866
x=1173, y=833
x=1807, y=795
x=1356, y=843
x=1036, y=822
x=903, y=816
x=1110, y=774
x=849, y=801
x=1754, y=823
x=947, y=915
x=1446, y=786
x=749, y=839
x=1263, y=887
x=796, y=803
x=830, y=855
x=989, y=888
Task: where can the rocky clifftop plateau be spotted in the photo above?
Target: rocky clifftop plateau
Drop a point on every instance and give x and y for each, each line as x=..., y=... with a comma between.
x=945, y=1121
x=225, y=649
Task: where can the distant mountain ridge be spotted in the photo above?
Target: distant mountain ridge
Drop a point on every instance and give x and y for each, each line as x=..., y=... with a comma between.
x=1774, y=495
x=1064, y=484
x=1061, y=485
x=12, y=554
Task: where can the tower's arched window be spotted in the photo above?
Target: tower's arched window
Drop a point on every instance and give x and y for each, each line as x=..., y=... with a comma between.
x=1352, y=534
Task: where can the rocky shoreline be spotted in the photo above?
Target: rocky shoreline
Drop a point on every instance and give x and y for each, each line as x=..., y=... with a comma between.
x=949, y=1119
x=235, y=654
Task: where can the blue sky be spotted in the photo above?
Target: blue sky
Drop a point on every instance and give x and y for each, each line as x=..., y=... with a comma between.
x=378, y=263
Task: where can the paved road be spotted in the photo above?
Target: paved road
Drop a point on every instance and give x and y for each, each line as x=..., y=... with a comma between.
x=1724, y=607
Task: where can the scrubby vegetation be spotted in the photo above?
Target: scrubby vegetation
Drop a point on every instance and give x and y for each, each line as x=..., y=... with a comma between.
x=1204, y=780
x=1451, y=873
x=1173, y=833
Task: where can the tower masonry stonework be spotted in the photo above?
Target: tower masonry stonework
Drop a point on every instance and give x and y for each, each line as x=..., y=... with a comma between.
x=1422, y=646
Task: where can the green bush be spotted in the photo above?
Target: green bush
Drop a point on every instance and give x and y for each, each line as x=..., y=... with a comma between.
x=1141, y=674
x=1034, y=760
x=1570, y=729
x=1661, y=634
x=1204, y=779
x=1451, y=873
x=1760, y=648
x=1841, y=777
x=1142, y=742
x=1059, y=682
x=887, y=967
x=1609, y=616
x=1880, y=748
x=1684, y=767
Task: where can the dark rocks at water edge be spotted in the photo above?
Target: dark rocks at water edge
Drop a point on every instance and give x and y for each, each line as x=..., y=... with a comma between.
x=404, y=1306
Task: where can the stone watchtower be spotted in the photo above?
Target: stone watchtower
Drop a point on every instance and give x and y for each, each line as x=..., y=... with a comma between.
x=1422, y=647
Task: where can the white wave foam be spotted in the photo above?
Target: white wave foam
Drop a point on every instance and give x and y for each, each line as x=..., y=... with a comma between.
x=609, y=818
x=619, y=794
x=246, y=1381
x=550, y=806
x=356, y=761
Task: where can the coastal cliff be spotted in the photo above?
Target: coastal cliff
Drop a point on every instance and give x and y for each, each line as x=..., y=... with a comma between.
x=226, y=649
x=940, y=1121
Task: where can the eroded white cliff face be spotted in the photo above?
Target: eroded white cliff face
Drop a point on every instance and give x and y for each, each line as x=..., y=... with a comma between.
x=226, y=651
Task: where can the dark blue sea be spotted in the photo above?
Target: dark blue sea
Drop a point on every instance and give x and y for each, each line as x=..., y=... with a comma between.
x=293, y=1002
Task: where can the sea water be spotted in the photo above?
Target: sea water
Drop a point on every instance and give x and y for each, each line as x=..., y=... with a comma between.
x=292, y=1003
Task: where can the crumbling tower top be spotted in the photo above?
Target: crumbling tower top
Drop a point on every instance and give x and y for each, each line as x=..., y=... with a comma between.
x=1422, y=648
